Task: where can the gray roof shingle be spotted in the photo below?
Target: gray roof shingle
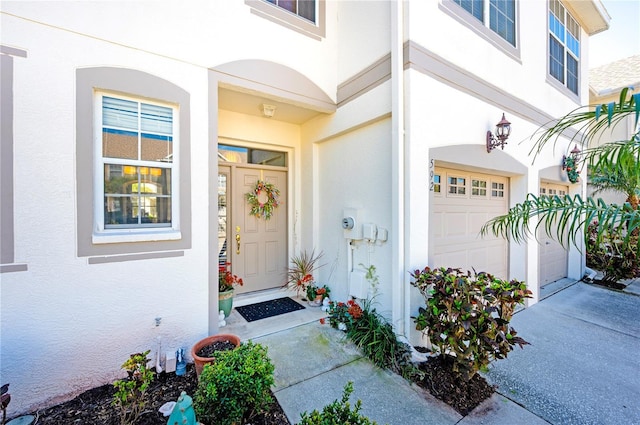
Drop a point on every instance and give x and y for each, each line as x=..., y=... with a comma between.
x=615, y=75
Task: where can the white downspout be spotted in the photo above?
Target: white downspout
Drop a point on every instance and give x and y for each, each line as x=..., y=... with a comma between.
x=400, y=294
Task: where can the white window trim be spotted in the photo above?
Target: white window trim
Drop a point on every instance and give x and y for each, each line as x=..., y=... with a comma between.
x=101, y=235
x=562, y=86
x=483, y=29
x=291, y=20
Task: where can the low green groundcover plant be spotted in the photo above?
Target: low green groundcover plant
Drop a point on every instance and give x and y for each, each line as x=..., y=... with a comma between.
x=338, y=412
x=467, y=316
x=236, y=387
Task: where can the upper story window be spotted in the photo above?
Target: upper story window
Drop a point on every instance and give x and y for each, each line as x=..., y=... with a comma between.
x=564, y=46
x=304, y=16
x=304, y=8
x=498, y=15
x=136, y=164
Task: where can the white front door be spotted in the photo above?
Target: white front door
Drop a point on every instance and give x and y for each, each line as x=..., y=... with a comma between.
x=255, y=247
x=553, y=261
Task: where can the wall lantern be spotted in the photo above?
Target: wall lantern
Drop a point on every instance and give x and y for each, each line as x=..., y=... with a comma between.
x=570, y=163
x=503, y=128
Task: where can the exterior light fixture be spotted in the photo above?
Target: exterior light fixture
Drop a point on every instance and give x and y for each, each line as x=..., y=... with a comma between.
x=570, y=164
x=503, y=129
x=268, y=110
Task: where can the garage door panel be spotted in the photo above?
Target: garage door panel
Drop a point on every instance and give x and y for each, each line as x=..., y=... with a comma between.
x=457, y=220
x=455, y=224
x=553, y=257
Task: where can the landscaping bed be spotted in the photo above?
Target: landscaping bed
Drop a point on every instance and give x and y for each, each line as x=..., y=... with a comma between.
x=94, y=407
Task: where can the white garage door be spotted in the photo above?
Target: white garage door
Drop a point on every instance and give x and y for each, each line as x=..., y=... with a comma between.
x=462, y=203
x=553, y=257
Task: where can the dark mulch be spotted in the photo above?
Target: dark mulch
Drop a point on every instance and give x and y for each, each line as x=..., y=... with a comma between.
x=442, y=382
x=94, y=407
x=609, y=284
x=209, y=350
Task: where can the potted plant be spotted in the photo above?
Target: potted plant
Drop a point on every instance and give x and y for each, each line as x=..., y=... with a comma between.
x=317, y=294
x=226, y=285
x=300, y=274
x=203, y=351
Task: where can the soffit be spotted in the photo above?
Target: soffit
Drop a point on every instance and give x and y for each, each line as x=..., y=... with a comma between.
x=591, y=14
x=251, y=104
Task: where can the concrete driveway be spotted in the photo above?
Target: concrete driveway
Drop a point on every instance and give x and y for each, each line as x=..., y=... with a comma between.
x=583, y=364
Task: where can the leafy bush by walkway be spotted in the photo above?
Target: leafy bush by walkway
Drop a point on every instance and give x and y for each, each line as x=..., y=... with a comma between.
x=467, y=317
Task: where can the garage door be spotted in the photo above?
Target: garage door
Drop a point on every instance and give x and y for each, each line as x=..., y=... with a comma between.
x=462, y=203
x=553, y=257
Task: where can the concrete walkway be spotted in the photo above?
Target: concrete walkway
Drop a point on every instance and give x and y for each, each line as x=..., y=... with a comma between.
x=583, y=367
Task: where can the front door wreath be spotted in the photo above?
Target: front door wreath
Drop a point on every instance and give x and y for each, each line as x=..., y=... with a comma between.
x=263, y=199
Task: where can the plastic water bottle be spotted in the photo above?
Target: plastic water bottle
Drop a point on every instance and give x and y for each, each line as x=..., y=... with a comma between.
x=181, y=365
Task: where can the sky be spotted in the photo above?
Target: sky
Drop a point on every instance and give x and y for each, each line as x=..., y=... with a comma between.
x=622, y=39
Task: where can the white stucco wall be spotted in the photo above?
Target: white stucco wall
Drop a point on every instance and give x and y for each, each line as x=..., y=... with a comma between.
x=68, y=325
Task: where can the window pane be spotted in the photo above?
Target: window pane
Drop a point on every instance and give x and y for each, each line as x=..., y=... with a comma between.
x=556, y=27
x=307, y=9
x=573, y=45
x=556, y=59
x=156, y=148
x=268, y=158
x=572, y=74
x=118, y=210
x=475, y=7
x=119, y=144
x=251, y=156
x=119, y=113
x=119, y=179
x=155, y=180
x=502, y=19
x=156, y=119
x=155, y=209
x=289, y=5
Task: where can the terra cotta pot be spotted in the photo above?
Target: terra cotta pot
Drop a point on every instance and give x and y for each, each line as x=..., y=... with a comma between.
x=201, y=361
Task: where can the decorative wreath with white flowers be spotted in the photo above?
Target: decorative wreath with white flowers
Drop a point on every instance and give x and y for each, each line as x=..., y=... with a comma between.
x=263, y=205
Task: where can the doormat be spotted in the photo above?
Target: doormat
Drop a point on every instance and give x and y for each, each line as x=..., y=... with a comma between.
x=266, y=309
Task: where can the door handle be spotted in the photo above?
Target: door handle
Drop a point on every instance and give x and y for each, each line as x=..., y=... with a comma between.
x=237, y=243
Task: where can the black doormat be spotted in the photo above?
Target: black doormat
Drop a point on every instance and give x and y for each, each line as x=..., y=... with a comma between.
x=266, y=309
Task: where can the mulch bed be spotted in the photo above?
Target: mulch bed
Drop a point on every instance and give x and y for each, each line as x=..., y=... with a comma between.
x=443, y=384
x=94, y=407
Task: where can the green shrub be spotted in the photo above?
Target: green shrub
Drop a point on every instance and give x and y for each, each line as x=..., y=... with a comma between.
x=130, y=395
x=468, y=316
x=338, y=412
x=608, y=254
x=236, y=387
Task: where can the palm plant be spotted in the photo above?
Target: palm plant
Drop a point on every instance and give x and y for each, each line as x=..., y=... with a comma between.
x=614, y=165
x=300, y=273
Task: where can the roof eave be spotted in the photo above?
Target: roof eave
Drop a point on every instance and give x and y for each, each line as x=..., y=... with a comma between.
x=592, y=14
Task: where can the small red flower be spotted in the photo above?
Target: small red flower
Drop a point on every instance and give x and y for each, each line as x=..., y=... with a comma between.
x=322, y=321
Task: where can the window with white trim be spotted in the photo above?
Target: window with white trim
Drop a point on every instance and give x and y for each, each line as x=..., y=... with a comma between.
x=303, y=8
x=136, y=163
x=564, y=46
x=498, y=15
